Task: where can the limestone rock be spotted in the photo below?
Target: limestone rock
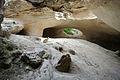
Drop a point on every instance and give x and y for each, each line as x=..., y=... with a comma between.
x=33, y=59
x=117, y=52
x=1, y=10
x=15, y=8
x=12, y=26
x=6, y=57
x=72, y=52
x=35, y=1
x=107, y=11
x=85, y=64
x=64, y=63
x=1, y=13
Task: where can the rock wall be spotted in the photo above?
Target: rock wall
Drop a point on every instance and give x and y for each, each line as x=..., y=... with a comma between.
x=1, y=11
x=107, y=10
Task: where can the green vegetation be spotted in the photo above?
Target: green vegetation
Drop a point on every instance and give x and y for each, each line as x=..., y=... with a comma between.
x=70, y=31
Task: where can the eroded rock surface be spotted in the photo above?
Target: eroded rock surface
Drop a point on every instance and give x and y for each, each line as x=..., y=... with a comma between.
x=33, y=58
x=1, y=10
x=107, y=11
x=85, y=64
x=12, y=26
x=8, y=52
x=1, y=13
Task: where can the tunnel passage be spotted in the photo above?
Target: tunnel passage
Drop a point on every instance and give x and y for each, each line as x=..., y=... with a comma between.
x=104, y=39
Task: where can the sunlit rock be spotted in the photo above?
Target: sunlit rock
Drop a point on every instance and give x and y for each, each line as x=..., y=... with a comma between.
x=107, y=11
x=12, y=26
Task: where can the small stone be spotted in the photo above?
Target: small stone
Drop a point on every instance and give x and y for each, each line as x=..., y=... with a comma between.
x=38, y=39
x=72, y=52
x=46, y=40
x=117, y=52
x=59, y=49
x=64, y=63
x=56, y=48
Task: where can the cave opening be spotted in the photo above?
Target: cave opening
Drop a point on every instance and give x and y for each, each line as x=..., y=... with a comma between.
x=108, y=41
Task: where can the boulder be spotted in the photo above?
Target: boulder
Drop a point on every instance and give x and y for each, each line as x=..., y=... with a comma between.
x=12, y=26
x=64, y=63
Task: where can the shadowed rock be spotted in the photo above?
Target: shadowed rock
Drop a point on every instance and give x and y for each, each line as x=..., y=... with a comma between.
x=72, y=52
x=33, y=59
x=64, y=63
x=1, y=10
x=1, y=13
x=6, y=50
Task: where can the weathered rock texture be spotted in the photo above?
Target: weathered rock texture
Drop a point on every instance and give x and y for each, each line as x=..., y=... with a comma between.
x=1, y=12
x=107, y=10
x=90, y=61
x=64, y=63
x=37, y=19
x=57, y=5
x=8, y=51
x=12, y=26
x=34, y=59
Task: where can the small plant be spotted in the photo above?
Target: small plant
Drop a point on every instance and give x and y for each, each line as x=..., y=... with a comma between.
x=70, y=31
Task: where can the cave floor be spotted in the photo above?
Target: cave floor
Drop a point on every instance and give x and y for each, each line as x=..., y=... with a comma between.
x=89, y=61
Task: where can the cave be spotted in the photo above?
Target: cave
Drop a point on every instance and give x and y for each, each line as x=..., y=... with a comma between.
x=59, y=40
x=106, y=40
